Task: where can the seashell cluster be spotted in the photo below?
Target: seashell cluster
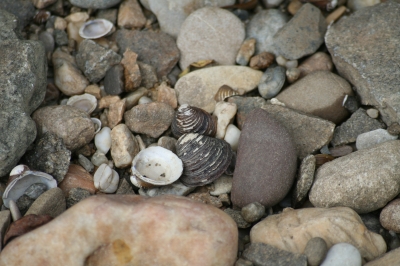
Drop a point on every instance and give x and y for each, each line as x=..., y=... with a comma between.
x=190, y=119
x=204, y=158
x=96, y=28
x=224, y=92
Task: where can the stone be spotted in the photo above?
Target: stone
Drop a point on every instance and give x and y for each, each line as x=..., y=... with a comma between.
x=272, y=82
x=389, y=217
x=352, y=47
x=5, y=220
x=70, y=124
x=152, y=119
x=364, y=180
x=263, y=26
x=316, y=62
x=23, y=10
x=110, y=14
x=335, y=15
x=262, y=60
x=77, y=177
x=370, y=139
x=149, y=75
x=94, y=60
x=246, y=51
x=210, y=33
x=94, y=90
x=358, y=123
x=132, y=74
x=206, y=198
x=237, y=217
x=305, y=179
x=124, y=188
x=315, y=251
x=23, y=204
x=243, y=262
x=49, y=155
x=253, y=212
x=116, y=112
x=340, y=151
x=106, y=101
x=95, y=4
x=156, y=49
x=253, y=179
x=114, y=80
x=390, y=258
x=222, y=185
x=132, y=228
x=320, y=93
x=124, y=146
x=60, y=37
x=132, y=98
x=342, y=254
x=168, y=143
x=52, y=202
x=355, y=5
x=85, y=163
x=176, y=188
x=76, y=195
x=225, y=112
x=373, y=113
x=205, y=83
x=165, y=94
x=130, y=15
x=264, y=255
x=292, y=229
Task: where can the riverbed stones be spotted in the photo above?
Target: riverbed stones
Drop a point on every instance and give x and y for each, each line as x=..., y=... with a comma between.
x=254, y=180
x=315, y=251
x=364, y=180
x=352, y=45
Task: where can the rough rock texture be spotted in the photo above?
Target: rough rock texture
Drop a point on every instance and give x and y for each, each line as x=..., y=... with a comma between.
x=24, y=10
x=51, y=202
x=364, y=180
x=355, y=46
x=22, y=89
x=305, y=179
x=130, y=230
x=265, y=255
x=114, y=80
x=124, y=146
x=263, y=139
x=292, y=229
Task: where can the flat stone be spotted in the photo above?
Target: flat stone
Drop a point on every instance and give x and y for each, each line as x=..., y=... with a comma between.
x=364, y=180
x=359, y=58
x=77, y=177
x=389, y=217
x=114, y=80
x=124, y=146
x=210, y=33
x=390, y=258
x=264, y=255
x=52, y=202
x=341, y=254
x=370, y=139
x=95, y=4
x=305, y=179
x=315, y=251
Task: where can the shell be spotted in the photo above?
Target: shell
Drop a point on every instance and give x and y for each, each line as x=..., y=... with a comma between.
x=155, y=166
x=85, y=102
x=190, y=119
x=224, y=92
x=97, y=124
x=17, y=184
x=106, y=179
x=204, y=158
x=272, y=82
x=96, y=28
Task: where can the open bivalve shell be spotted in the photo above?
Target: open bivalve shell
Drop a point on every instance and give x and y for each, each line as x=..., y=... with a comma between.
x=190, y=119
x=85, y=102
x=17, y=184
x=96, y=28
x=155, y=166
x=204, y=158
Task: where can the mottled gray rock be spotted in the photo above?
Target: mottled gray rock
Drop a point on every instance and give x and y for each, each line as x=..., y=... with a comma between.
x=94, y=60
x=237, y=217
x=23, y=203
x=265, y=255
x=315, y=251
x=60, y=37
x=124, y=187
x=114, y=80
x=305, y=179
x=149, y=75
x=253, y=212
x=51, y=202
x=272, y=82
x=302, y=35
x=390, y=216
x=24, y=10
x=369, y=139
x=358, y=123
x=354, y=43
x=364, y=180
x=75, y=195
x=95, y=4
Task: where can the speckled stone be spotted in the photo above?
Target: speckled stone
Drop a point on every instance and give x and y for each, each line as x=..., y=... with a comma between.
x=265, y=255
x=253, y=212
x=237, y=217
x=315, y=251
x=305, y=179
x=390, y=216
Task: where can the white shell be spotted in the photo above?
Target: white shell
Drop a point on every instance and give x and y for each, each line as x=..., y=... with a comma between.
x=19, y=169
x=102, y=140
x=157, y=166
x=96, y=28
x=106, y=179
x=18, y=184
x=85, y=102
x=97, y=124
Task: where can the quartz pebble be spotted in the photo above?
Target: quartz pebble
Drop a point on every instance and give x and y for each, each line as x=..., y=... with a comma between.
x=253, y=212
x=372, y=138
x=102, y=140
x=246, y=51
x=232, y=136
x=124, y=146
x=342, y=254
x=106, y=179
x=315, y=251
x=222, y=185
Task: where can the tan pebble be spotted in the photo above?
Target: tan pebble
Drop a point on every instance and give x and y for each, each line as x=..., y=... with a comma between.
x=124, y=146
x=246, y=51
x=115, y=113
x=206, y=198
x=262, y=60
x=73, y=31
x=318, y=61
x=132, y=98
x=130, y=15
x=103, y=118
x=60, y=23
x=292, y=74
x=94, y=90
x=335, y=15
x=373, y=113
x=132, y=74
x=167, y=95
x=106, y=101
x=76, y=177
x=77, y=17
x=52, y=202
x=294, y=6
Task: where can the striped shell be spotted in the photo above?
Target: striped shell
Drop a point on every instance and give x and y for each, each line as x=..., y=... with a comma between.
x=190, y=119
x=204, y=158
x=224, y=92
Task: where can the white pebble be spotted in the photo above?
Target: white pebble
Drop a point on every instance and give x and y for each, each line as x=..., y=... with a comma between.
x=281, y=60
x=342, y=254
x=102, y=140
x=232, y=136
x=106, y=179
x=369, y=139
x=373, y=113
x=292, y=64
x=225, y=112
x=144, y=100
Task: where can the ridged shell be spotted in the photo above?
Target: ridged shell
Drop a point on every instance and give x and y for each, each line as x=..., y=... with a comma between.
x=85, y=102
x=224, y=92
x=204, y=158
x=190, y=119
x=272, y=82
x=96, y=28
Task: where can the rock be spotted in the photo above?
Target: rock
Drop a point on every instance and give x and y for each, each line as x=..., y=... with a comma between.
x=95, y=4
x=364, y=180
x=243, y=262
x=115, y=113
x=355, y=5
x=77, y=177
x=389, y=217
x=302, y=35
x=130, y=15
x=253, y=212
x=23, y=10
x=263, y=255
x=390, y=258
x=86, y=163
x=167, y=142
x=370, y=139
x=151, y=119
x=72, y=125
x=206, y=82
x=94, y=90
x=165, y=94
x=210, y=33
x=23, y=88
x=340, y=151
x=237, y=217
x=176, y=188
x=222, y=185
x=272, y=82
x=342, y=254
x=124, y=187
x=320, y=93
x=355, y=54
x=110, y=14
x=253, y=180
x=124, y=146
x=263, y=26
x=246, y=51
x=315, y=251
x=232, y=136
x=94, y=60
x=76, y=195
x=149, y=75
x=114, y=80
x=262, y=60
x=156, y=49
x=5, y=220
x=305, y=179
x=373, y=113
x=51, y=202
x=214, y=243
x=60, y=37
x=225, y=112
x=206, y=198
x=49, y=155
x=106, y=101
x=132, y=74
x=358, y=123
x=292, y=229
x=316, y=62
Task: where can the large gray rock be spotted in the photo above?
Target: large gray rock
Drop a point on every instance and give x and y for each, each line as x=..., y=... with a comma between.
x=24, y=10
x=355, y=44
x=22, y=89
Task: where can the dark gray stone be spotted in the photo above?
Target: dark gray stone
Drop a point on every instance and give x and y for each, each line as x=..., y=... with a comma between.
x=60, y=37
x=237, y=217
x=109, y=14
x=149, y=75
x=75, y=195
x=95, y=4
x=23, y=203
x=266, y=255
x=114, y=80
x=315, y=251
x=24, y=10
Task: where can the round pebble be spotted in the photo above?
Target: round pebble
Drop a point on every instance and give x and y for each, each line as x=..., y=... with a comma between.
x=315, y=251
x=253, y=212
x=342, y=254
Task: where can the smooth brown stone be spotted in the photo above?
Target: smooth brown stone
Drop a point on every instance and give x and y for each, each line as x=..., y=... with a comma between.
x=77, y=177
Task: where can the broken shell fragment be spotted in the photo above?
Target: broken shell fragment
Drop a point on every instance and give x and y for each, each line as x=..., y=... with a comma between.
x=224, y=92
x=96, y=28
x=106, y=179
x=102, y=140
x=204, y=158
x=272, y=82
x=85, y=102
x=97, y=124
x=155, y=166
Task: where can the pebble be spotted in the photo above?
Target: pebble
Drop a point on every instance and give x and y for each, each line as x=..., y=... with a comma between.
x=355, y=5
x=305, y=179
x=215, y=244
x=77, y=177
x=102, y=140
x=225, y=112
x=5, y=220
x=216, y=33
x=273, y=181
x=144, y=100
x=132, y=75
x=85, y=163
x=316, y=62
x=340, y=151
x=168, y=143
x=95, y=4
x=94, y=90
x=76, y=195
x=106, y=101
x=221, y=185
x=237, y=217
x=335, y=15
x=132, y=98
x=373, y=113
x=246, y=51
x=272, y=82
x=114, y=80
x=342, y=254
x=292, y=74
x=390, y=258
x=116, y=113
x=108, y=14
x=243, y=262
x=124, y=146
x=52, y=202
x=206, y=198
x=372, y=138
x=262, y=60
x=176, y=188
x=124, y=187
x=165, y=94
x=252, y=212
x=360, y=184
x=315, y=251
x=232, y=136
x=99, y=158
x=149, y=75
x=292, y=229
x=130, y=15
x=389, y=217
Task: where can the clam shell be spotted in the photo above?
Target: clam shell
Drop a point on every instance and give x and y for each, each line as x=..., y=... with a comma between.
x=85, y=102
x=155, y=166
x=190, y=119
x=96, y=28
x=204, y=158
x=224, y=92
x=97, y=124
x=272, y=82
